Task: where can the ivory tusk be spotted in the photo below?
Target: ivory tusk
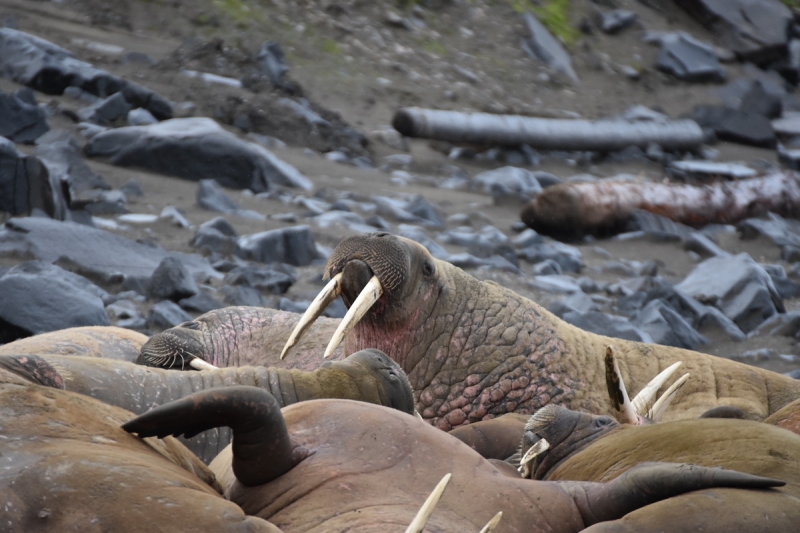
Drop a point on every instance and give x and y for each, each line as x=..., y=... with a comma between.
x=418, y=524
x=325, y=298
x=661, y=405
x=524, y=464
x=488, y=528
x=617, y=391
x=199, y=364
x=372, y=291
x=648, y=393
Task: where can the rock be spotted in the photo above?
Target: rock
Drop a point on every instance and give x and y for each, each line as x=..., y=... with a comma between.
x=419, y=206
x=294, y=246
x=688, y=59
x=39, y=297
x=737, y=286
x=736, y=125
x=495, y=262
x=543, y=46
x=166, y=315
x=577, y=301
x=546, y=268
x=201, y=303
x=517, y=181
x=556, y=283
x=211, y=196
x=418, y=234
x=122, y=309
x=707, y=170
x=568, y=257
x=667, y=327
x=609, y=325
x=526, y=238
x=271, y=62
x=789, y=158
x=702, y=245
x=787, y=288
x=788, y=126
x=781, y=231
x=26, y=184
x=106, y=111
x=92, y=252
x=615, y=21
x=239, y=295
x=755, y=30
x=50, y=69
x=64, y=162
x=21, y=120
x=391, y=138
x=784, y=325
x=196, y=149
x=714, y=322
x=171, y=280
x=140, y=117
x=132, y=189
x=396, y=210
x=274, y=279
x=353, y=221
x=758, y=101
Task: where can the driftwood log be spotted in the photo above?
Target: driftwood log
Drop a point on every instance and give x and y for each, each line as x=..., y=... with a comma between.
x=546, y=133
x=602, y=208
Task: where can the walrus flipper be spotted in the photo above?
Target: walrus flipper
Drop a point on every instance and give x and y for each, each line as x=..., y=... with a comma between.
x=261, y=446
x=648, y=483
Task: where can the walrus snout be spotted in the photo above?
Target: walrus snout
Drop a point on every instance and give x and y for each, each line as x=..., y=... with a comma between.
x=355, y=276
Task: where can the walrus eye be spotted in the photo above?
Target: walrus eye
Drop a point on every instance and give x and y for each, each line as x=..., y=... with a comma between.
x=427, y=269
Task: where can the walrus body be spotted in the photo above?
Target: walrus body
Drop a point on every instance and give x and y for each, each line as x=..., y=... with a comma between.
x=65, y=465
x=89, y=341
x=367, y=376
x=475, y=350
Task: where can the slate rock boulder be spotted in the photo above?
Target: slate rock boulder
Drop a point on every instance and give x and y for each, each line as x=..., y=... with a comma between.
x=171, y=280
x=688, y=59
x=294, y=246
x=26, y=184
x=605, y=324
x=666, y=326
x=211, y=196
x=195, y=149
x=736, y=125
x=166, y=314
x=21, y=120
x=39, y=297
x=106, y=111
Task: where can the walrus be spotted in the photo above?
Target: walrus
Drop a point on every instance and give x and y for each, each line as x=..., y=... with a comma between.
x=339, y=465
x=367, y=375
x=475, y=350
x=89, y=341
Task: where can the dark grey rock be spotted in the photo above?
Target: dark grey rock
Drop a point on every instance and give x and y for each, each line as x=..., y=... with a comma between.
x=140, y=117
x=787, y=288
x=486, y=249
x=787, y=126
x=781, y=231
x=294, y=246
x=39, y=297
x=196, y=149
x=546, y=268
x=714, y=322
x=166, y=315
x=709, y=170
x=419, y=206
x=755, y=356
x=275, y=279
x=211, y=196
x=556, y=283
x=132, y=189
x=735, y=125
x=171, y=280
x=789, y=158
x=105, y=111
x=95, y=253
x=512, y=180
x=353, y=221
x=688, y=59
x=543, y=46
x=667, y=327
x=221, y=225
x=50, y=69
x=418, y=234
x=608, y=325
x=784, y=325
x=396, y=210
x=545, y=179
x=26, y=184
x=64, y=162
x=378, y=222
x=122, y=309
x=271, y=62
x=337, y=309
x=703, y=246
x=302, y=108
x=239, y=295
x=212, y=241
x=755, y=30
x=495, y=262
x=615, y=267
x=98, y=202
x=526, y=238
x=758, y=101
x=202, y=302
x=736, y=285
x=615, y=21
x=569, y=257
x=577, y=301
x=21, y=120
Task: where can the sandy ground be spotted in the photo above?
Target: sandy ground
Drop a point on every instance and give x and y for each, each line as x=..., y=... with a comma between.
x=365, y=79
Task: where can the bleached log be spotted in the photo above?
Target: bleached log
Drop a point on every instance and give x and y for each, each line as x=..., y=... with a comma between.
x=601, y=208
x=546, y=133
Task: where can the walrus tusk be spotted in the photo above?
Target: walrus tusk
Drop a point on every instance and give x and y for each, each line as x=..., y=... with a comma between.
x=488, y=528
x=199, y=364
x=369, y=295
x=616, y=389
x=418, y=524
x=648, y=393
x=524, y=464
x=325, y=298
x=661, y=405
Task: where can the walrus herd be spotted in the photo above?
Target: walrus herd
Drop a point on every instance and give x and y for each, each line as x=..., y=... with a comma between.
x=357, y=443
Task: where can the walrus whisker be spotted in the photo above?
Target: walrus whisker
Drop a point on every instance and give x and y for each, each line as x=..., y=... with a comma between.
x=661, y=405
x=525, y=464
x=616, y=389
x=369, y=295
x=489, y=527
x=418, y=524
x=329, y=293
x=648, y=394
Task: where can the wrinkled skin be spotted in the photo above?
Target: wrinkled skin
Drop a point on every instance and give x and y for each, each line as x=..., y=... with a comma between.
x=787, y=418
x=475, y=350
x=497, y=438
x=339, y=465
x=601, y=452
x=90, y=341
x=368, y=376
x=67, y=466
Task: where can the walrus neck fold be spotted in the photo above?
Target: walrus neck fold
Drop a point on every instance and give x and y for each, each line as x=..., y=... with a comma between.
x=262, y=448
